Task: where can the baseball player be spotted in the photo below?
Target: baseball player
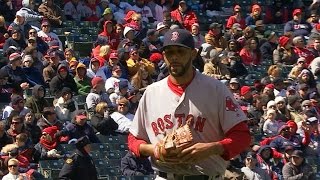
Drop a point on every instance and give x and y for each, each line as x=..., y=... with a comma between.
x=188, y=123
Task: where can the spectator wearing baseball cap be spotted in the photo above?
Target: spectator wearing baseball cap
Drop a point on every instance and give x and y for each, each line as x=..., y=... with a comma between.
x=151, y=43
x=234, y=85
x=114, y=61
x=14, y=71
x=251, y=169
x=97, y=93
x=298, y=25
x=285, y=47
x=79, y=127
x=269, y=46
x=254, y=16
x=245, y=95
x=17, y=40
x=121, y=90
x=47, y=36
x=66, y=107
x=298, y=167
x=214, y=68
x=189, y=16
x=236, y=18
x=17, y=105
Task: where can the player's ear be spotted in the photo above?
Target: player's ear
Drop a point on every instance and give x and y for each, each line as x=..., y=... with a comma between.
x=194, y=53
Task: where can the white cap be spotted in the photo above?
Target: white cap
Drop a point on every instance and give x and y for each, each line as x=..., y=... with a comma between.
x=126, y=30
x=279, y=99
x=160, y=26
x=271, y=103
x=234, y=80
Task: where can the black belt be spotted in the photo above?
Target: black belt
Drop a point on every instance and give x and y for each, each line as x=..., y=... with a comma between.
x=185, y=177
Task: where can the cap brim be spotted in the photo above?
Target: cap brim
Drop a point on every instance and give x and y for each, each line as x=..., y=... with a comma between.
x=174, y=44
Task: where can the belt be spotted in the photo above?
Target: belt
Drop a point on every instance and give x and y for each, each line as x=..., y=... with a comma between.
x=186, y=177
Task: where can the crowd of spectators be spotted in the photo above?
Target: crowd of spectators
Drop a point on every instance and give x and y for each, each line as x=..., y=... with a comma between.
x=43, y=84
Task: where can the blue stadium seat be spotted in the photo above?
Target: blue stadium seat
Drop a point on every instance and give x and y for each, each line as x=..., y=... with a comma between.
x=51, y=168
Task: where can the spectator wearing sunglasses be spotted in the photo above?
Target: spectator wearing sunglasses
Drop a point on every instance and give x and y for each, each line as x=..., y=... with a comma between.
x=13, y=167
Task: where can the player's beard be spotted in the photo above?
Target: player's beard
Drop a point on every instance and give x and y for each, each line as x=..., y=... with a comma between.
x=179, y=69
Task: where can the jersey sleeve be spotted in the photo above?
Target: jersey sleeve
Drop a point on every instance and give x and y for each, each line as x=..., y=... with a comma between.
x=138, y=126
x=230, y=113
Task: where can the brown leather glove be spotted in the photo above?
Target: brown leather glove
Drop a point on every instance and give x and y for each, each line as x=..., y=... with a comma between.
x=173, y=143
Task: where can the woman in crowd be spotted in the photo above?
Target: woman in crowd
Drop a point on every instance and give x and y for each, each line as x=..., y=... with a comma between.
x=141, y=79
x=101, y=120
x=250, y=53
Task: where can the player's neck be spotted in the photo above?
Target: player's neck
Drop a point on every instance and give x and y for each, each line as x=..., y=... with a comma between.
x=186, y=79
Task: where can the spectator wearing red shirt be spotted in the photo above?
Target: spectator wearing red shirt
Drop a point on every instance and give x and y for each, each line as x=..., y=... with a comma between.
x=301, y=50
x=108, y=33
x=250, y=54
x=236, y=18
x=184, y=15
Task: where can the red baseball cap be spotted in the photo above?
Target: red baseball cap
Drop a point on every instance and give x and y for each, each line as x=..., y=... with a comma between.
x=113, y=55
x=296, y=11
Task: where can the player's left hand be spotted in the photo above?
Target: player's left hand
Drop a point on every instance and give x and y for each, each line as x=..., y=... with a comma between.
x=199, y=152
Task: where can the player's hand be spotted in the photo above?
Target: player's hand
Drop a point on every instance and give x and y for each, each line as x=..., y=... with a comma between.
x=199, y=152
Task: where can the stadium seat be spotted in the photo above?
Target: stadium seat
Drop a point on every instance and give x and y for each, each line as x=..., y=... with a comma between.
x=58, y=31
x=68, y=24
x=114, y=155
x=84, y=48
x=96, y=154
x=147, y=177
x=51, y=168
x=109, y=171
x=100, y=147
x=108, y=139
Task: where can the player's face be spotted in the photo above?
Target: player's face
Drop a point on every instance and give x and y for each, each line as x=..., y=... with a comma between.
x=179, y=60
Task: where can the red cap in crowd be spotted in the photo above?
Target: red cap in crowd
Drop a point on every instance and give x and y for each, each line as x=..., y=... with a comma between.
x=50, y=130
x=95, y=81
x=244, y=90
x=292, y=124
x=156, y=57
x=296, y=11
x=283, y=40
x=270, y=86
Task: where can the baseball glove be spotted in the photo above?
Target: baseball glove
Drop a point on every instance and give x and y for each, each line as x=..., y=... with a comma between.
x=173, y=143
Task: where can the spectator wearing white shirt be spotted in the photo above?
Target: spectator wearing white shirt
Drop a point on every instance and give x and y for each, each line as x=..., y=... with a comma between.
x=48, y=36
x=112, y=83
x=13, y=167
x=271, y=126
x=122, y=116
